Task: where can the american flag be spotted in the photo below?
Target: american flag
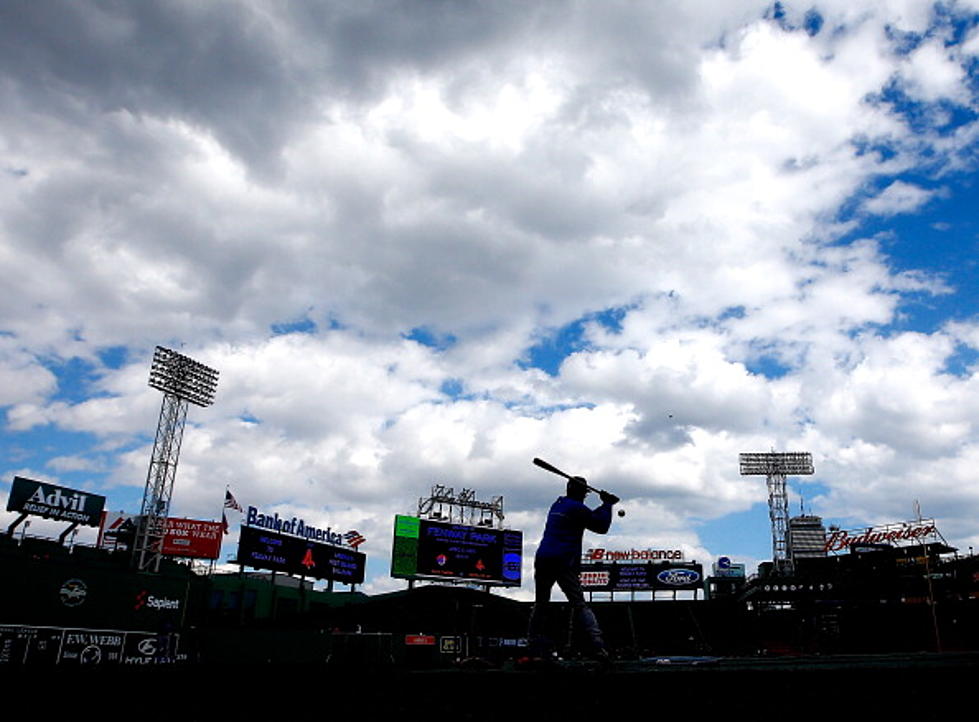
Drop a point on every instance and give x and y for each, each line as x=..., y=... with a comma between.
x=354, y=538
x=230, y=502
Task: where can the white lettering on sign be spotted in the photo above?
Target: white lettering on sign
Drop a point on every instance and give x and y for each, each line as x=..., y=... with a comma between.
x=594, y=579
x=633, y=555
x=296, y=527
x=840, y=540
x=158, y=603
x=75, y=502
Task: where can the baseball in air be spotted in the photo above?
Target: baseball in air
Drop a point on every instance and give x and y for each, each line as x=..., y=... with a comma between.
x=621, y=512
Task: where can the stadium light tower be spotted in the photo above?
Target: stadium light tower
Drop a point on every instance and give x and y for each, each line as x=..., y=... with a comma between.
x=183, y=381
x=777, y=466
x=462, y=509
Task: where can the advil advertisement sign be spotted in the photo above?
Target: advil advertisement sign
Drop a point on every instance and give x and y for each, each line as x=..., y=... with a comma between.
x=54, y=502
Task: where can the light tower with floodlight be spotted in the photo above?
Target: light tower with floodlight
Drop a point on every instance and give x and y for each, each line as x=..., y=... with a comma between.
x=776, y=467
x=183, y=381
x=462, y=509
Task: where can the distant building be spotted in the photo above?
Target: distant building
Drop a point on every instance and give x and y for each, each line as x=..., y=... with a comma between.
x=806, y=537
x=727, y=579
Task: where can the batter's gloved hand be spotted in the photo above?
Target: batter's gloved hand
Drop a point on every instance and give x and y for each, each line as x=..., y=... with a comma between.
x=607, y=498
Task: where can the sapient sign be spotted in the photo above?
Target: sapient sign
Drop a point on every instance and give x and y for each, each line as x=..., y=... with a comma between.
x=39, y=498
x=145, y=600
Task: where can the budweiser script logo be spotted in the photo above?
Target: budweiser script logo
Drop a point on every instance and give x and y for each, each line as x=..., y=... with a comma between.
x=840, y=540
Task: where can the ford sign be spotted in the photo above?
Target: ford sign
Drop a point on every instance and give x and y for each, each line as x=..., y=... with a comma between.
x=678, y=577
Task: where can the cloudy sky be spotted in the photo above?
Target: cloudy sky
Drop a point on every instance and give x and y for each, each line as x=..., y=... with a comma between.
x=426, y=241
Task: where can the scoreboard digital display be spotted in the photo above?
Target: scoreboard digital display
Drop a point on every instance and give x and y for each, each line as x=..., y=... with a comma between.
x=425, y=549
x=263, y=549
x=626, y=577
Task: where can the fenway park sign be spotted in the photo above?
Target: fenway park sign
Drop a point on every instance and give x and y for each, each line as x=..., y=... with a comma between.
x=898, y=534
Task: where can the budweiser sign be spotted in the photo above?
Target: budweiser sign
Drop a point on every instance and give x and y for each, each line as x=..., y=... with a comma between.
x=892, y=534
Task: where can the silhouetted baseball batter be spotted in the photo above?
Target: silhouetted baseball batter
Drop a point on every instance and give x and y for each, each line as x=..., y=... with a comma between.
x=558, y=561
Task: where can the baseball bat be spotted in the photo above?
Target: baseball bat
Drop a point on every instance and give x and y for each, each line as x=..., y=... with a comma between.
x=554, y=470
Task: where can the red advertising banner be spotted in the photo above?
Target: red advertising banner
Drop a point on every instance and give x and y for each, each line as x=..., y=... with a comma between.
x=193, y=538
x=419, y=640
x=185, y=537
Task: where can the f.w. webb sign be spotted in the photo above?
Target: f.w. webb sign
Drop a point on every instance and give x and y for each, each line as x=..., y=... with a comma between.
x=39, y=498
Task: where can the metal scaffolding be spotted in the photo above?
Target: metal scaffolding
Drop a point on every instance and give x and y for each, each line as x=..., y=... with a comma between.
x=776, y=467
x=183, y=381
x=443, y=505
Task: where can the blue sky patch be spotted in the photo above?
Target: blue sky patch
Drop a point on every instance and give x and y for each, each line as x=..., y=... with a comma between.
x=34, y=448
x=748, y=534
x=75, y=378
x=548, y=353
x=452, y=388
x=944, y=242
x=427, y=337
x=768, y=366
x=303, y=325
x=113, y=357
x=962, y=362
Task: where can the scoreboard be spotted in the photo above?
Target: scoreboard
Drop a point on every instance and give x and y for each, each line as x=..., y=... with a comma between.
x=425, y=549
x=647, y=576
x=263, y=549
